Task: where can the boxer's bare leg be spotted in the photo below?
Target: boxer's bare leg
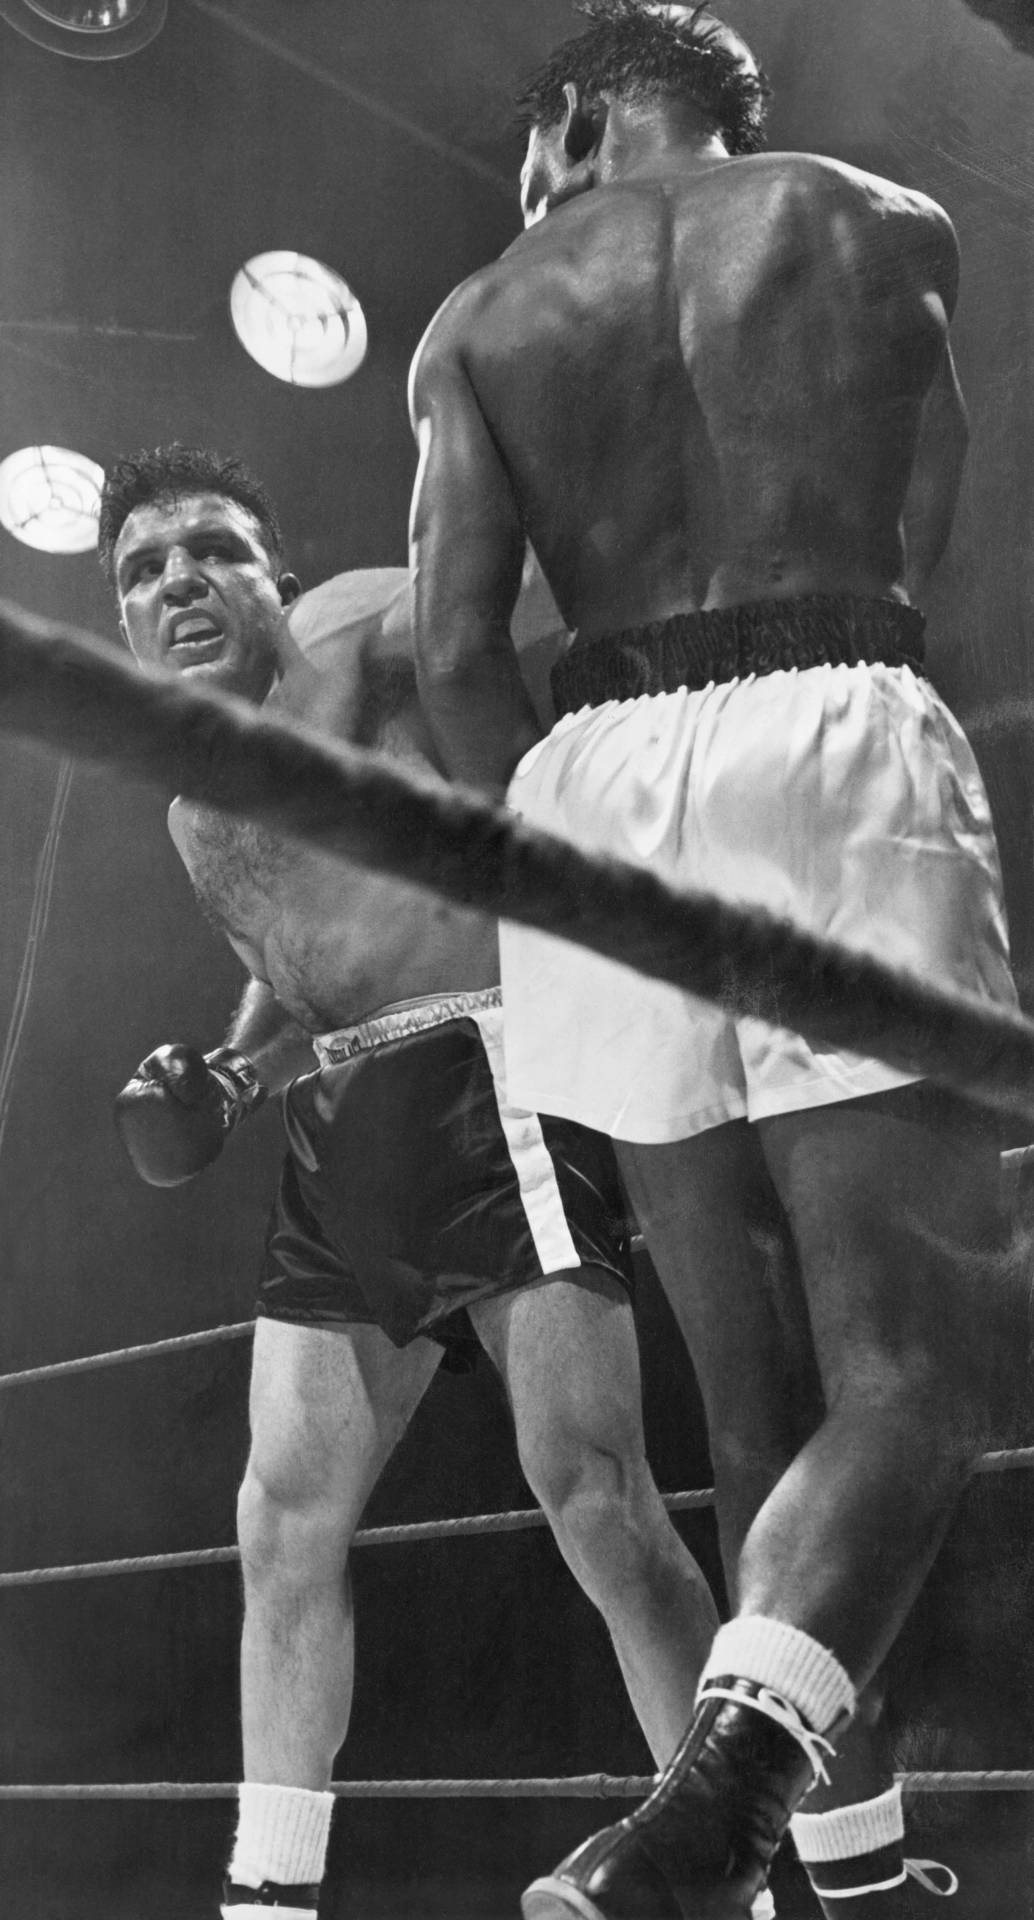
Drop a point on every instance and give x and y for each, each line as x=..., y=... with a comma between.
x=894, y=1206
x=327, y=1409
x=732, y=1277
x=721, y=1247
x=567, y=1352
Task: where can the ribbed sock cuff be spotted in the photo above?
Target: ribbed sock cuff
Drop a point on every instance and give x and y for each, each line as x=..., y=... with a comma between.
x=282, y=1835
x=843, y=1832
x=779, y=1656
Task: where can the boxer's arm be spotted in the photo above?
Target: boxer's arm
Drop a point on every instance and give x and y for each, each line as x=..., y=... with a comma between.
x=466, y=558
x=936, y=477
x=277, y=1047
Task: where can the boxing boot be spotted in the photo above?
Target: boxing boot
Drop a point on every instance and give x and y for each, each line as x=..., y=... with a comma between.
x=295, y=1902
x=700, y=1847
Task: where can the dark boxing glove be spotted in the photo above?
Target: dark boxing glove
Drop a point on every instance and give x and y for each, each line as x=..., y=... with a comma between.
x=176, y=1113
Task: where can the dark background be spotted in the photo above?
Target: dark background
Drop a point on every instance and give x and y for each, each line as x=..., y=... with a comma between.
x=376, y=135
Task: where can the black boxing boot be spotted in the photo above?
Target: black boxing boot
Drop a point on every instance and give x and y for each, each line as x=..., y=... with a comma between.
x=285, y=1900
x=701, y=1846
x=293, y=1901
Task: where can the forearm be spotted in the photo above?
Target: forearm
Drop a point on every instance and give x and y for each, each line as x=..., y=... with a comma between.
x=278, y=1048
x=481, y=714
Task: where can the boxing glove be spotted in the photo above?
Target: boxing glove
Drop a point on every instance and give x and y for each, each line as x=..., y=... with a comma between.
x=176, y=1113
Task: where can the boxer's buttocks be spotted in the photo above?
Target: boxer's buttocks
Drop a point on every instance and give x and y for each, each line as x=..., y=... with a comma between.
x=842, y=798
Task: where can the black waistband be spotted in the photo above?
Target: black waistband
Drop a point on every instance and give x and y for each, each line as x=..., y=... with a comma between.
x=726, y=643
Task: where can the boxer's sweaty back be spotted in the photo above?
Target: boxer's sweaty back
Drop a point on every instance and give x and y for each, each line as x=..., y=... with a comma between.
x=706, y=384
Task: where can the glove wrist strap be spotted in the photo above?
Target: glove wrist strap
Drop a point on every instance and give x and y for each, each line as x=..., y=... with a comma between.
x=243, y=1090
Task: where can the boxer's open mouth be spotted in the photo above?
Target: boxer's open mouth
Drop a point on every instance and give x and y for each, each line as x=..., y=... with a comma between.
x=194, y=637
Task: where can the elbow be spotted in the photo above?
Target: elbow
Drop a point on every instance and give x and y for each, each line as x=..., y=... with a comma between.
x=455, y=651
x=443, y=664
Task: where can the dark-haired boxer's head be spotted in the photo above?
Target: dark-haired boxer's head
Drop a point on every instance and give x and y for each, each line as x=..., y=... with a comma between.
x=168, y=473
x=193, y=546
x=637, y=53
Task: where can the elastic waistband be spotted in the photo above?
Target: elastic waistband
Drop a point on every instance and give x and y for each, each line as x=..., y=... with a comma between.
x=398, y=1021
x=695, y=650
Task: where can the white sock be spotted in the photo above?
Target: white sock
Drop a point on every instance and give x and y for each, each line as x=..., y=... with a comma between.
x=282, y=1835
x=790, y=1662
x=843, y=1832
x=853, y=1850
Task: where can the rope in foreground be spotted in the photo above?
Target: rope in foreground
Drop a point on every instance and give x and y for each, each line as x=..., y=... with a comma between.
x=76, y=694
x=463, y=1526
x=583, y=1786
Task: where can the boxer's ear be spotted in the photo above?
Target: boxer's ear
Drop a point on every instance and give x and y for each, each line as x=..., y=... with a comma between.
x=289, y=588
x=584, y=123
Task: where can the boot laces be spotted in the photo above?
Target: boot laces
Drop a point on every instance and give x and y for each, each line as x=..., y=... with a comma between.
x=774, y=1707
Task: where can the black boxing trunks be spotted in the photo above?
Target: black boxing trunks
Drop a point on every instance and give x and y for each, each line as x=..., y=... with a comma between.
x=411, y=1189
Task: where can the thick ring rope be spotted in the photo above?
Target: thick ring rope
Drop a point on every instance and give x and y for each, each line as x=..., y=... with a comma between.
x=76, y=694
x=583, y=1786
x=462, y=1526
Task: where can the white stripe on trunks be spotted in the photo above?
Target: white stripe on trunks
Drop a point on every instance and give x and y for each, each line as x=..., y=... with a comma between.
x=531, y=1159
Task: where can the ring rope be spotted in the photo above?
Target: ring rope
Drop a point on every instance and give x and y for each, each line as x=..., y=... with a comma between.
x=75, y=693
x=467, y=1525
x=997, y=1462
x=582, y=1786
x=92, y=1362
x=461, y=1526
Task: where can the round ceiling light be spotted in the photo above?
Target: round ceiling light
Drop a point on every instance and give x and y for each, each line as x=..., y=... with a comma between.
x=87, y=29
x=298, y=319
x=50, y=498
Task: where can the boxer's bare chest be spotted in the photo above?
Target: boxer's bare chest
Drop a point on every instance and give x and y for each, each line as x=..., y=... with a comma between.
x=238, y=869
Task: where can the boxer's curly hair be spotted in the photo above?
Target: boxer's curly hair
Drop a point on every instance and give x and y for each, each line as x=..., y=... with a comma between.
x=165, y=474
x=638, y=51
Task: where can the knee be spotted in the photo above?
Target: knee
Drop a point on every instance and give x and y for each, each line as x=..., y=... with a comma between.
x=291, y=1528
x=588, y=1490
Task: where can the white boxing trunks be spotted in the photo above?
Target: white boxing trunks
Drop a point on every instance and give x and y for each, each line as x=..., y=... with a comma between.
x=843, y=797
